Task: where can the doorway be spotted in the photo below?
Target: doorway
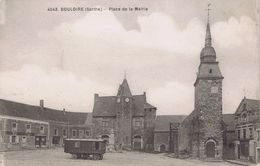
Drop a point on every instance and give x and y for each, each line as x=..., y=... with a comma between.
x=210, y=149
x=40, y=141
x=162, y=148
x=137, y=142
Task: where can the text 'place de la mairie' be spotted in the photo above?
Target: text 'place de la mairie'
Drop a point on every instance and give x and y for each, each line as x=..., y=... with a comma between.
x=127, y=121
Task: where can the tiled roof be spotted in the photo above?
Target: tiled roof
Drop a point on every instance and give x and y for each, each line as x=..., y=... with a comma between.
x=140, y=104
x=107, y=105
x=253, y=104
x=250, y=104
x=162, y=122
x=11, y=108
x=147, y=105
x=124, y=89
x=229, y=120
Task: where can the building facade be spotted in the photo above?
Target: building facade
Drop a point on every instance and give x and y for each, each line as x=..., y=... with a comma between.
x=229, y=125
x=24, y=126
x=19, y=133
x=247, y=141
x=201, y=133
x=125, y=121
x=166, y=133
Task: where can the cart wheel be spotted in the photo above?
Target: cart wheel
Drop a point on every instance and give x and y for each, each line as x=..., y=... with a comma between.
x=95, y=156
x=85, y=156
x=101, y=157
x=78, y=156
x=74, y=156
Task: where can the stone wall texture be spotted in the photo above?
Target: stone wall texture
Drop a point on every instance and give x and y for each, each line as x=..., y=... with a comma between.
x=204, y=124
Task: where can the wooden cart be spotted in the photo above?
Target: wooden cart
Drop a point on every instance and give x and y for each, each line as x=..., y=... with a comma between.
x=85, y=148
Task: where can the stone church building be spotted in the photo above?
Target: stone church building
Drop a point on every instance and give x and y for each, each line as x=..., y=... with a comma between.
x=201, y=133
x=125, y=121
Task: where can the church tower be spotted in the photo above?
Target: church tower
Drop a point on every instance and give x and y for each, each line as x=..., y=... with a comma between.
x=208, y=103
x=124, y=115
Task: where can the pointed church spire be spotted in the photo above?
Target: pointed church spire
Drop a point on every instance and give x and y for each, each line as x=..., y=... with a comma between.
x=124, y=89
x=208, y=53
x=208, y=34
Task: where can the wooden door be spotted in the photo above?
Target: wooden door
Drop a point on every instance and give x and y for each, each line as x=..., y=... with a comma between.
x=210, y=150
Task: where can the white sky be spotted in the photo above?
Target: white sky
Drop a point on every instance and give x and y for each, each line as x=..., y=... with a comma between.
x=66, y=57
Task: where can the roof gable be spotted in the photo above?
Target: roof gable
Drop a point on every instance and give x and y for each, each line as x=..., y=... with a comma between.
x=248, y=104
x=124, y=89
x=108, y=106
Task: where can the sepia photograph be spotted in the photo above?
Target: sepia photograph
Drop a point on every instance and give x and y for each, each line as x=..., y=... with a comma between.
x=129, y=83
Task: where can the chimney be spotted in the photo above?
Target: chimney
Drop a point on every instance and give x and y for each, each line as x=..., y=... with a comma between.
x=42, y=103
x=95, y=96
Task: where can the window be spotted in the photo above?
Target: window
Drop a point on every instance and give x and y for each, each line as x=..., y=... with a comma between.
x=251, y=132
x=42, y=129
x=214, y=89
x=244, y=117
x=81, y=133
x=77, y=144
x=24, y=139
x=56, y=132
x=138, y=123
x=244, y=133
x=14, y=126
x=74, y=133
x=14, y=139
x=28, y=128
x=244, y=106
x=64, y=132
x=238, y=134
x=104, y=123
x=210, y=70
x=87, y=132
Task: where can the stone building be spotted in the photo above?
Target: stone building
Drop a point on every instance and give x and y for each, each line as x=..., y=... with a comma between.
x=164, y=139
x=247, y=141
x=229, y=126
x=201, y=133
x=125, y=120
x=24, y=126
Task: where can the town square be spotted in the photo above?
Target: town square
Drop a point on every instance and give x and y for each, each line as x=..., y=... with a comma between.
x=169, y=83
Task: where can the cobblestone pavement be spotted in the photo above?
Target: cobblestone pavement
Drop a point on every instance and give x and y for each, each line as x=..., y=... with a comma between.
x=56, y=157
